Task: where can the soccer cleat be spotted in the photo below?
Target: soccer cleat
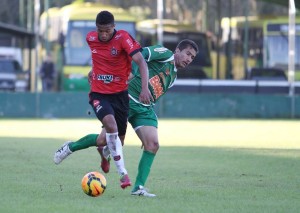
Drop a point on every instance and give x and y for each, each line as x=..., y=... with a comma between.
x=125, y=181
x=62, y=153
x=105, y=163
x=141, y=191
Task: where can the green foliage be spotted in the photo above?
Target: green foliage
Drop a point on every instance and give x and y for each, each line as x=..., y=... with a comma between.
x=79, y=1
x=188, y=178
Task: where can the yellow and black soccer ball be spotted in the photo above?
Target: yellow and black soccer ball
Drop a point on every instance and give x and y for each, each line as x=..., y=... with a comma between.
x=93, y=184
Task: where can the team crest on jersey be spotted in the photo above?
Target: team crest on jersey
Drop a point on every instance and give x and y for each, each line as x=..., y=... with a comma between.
x=114, y=51
x=161, y=49
x=92, y=38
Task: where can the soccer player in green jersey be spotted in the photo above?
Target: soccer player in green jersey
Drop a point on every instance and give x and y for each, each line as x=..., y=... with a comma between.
x=162, y=65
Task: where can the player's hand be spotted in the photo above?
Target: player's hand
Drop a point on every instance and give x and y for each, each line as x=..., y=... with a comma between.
x=145, y=96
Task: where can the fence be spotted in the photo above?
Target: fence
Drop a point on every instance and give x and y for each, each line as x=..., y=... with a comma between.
x=173, y=105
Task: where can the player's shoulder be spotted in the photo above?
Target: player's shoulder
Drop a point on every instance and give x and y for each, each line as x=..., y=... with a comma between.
x=122, y=33
x=92, y=36
x=158, y=49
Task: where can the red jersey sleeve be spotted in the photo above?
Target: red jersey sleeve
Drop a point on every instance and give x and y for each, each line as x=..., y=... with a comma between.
x=130, y=44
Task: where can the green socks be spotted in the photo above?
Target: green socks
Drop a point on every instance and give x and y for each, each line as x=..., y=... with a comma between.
x=83, y=143
x=144, y=169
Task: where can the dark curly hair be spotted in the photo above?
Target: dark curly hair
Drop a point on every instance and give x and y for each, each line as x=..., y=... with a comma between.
x=105, y=17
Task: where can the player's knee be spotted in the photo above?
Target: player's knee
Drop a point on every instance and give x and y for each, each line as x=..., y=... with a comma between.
x=101, y=140
x=111, y=128
x=156, y=146
x=153, y=146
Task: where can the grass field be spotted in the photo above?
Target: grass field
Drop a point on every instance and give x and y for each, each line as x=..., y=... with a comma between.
x=202, y=166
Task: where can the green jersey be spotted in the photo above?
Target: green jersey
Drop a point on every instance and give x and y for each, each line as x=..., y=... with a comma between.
x=162, y=73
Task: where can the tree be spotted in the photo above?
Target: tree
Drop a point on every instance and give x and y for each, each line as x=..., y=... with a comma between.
x=185, y=11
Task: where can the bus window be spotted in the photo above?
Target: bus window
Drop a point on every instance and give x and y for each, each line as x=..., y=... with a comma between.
x=173, y=33
x=267, y=43
x=277, y=45
x=76, y=50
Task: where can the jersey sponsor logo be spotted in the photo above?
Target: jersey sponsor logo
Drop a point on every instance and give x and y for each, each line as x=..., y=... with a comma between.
x=92, y=38
x=156, y=86
x=105, y=78
x=129, y=42
x=118, y=36
x=114, y=51
x=97, y=106
x=160, y=49
x=96, y=103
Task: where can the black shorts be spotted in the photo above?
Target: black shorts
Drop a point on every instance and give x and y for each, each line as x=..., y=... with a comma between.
x=115, y=104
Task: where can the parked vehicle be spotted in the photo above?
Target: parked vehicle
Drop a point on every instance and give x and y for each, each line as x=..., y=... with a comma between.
x=12, y=76
x=270, y=74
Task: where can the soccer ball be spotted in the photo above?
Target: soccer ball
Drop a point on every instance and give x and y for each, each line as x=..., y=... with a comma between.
x=93, y=184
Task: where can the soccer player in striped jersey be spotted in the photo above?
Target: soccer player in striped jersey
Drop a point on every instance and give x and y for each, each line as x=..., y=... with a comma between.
x=163, y=65
x=112, y=52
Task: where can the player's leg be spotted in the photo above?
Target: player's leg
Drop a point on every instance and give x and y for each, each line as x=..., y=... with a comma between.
x=89, y=140
x=70, y=147
x=149, y=137
x=103, y=150
x=101, y=143
x=144, y=121
x=114, y=145
x=120, y=106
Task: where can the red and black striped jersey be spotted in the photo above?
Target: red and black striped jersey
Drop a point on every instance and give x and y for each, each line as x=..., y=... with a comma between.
x=111, y=61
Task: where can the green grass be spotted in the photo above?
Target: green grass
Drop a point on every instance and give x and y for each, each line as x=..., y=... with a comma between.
x=202, y=166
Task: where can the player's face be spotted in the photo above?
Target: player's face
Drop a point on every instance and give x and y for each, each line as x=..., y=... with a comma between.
x=184, y=57
x=105, y=32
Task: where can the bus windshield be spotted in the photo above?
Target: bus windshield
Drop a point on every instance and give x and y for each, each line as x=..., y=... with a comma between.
x=76, y=50
x=277, y=46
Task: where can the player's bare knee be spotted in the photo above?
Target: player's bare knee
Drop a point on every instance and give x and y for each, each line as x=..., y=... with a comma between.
x=111, y=128
x=101, y=141
x=154, y=146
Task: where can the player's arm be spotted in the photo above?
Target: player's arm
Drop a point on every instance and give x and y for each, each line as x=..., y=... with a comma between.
x=90, y=75
x=130, y=76
x=145, y=95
